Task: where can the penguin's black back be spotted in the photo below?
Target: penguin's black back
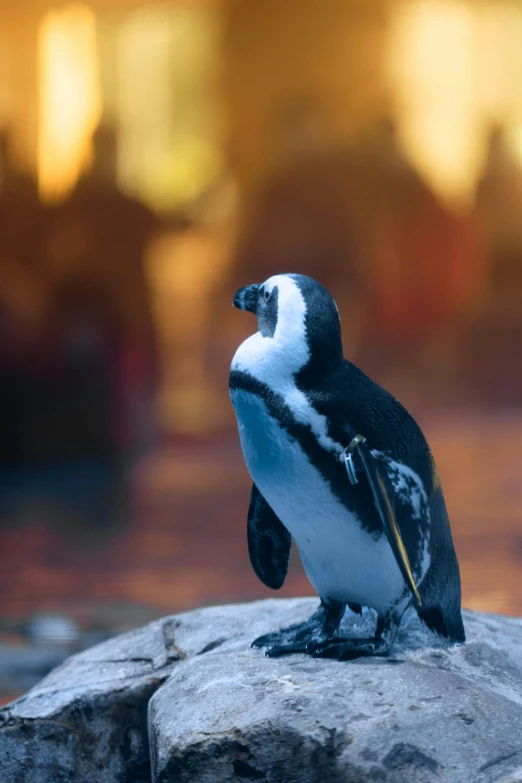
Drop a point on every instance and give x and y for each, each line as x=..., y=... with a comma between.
x=352, y=402
x=347, y=394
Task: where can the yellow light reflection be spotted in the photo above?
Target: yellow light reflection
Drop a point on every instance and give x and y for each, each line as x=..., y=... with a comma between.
x=500, y=58
x=432, y=60
x=168, y=107
x=5, y=92
x=69, y=97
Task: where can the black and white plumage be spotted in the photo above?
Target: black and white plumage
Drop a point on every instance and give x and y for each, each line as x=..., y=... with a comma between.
x=299, y=404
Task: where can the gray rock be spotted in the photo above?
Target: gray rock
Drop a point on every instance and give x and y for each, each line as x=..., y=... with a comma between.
x=220, y=711
x=426, y=713
x=87, y=720
x=513, y=777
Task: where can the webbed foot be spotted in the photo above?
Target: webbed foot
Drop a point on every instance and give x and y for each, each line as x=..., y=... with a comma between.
x=344, y=649
x=347, y=649
x=304, y=637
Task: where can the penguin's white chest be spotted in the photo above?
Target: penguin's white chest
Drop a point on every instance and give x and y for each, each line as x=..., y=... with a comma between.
x=342, y=561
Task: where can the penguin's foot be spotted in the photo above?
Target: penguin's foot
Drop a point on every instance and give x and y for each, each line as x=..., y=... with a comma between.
x=304, y=637
x=347, y=649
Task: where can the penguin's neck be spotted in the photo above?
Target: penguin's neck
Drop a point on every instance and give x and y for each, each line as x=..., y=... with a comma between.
x=275, y=364
x=272, y=360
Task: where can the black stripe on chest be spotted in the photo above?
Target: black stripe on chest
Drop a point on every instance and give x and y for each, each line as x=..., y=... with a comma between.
x=357, y=500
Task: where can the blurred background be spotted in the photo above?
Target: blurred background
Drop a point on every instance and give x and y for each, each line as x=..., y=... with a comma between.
x=156, y=156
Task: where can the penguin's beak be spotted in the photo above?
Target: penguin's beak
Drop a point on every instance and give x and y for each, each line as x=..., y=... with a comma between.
x=247, y=298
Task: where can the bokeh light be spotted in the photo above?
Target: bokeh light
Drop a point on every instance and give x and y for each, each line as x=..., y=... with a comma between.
x=70, y=99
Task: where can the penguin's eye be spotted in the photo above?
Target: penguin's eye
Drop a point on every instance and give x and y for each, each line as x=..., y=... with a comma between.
x=267, y=294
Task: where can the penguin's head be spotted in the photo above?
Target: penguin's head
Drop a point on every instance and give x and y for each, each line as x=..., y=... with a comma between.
x=298, y=319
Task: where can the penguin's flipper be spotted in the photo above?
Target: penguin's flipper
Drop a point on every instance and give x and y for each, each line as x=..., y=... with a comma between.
x=384, y=507
x=269, y=542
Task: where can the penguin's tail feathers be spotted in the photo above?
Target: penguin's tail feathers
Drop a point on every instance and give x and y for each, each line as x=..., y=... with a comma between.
x=447, y=624
x=440, y=588
x=441, y=597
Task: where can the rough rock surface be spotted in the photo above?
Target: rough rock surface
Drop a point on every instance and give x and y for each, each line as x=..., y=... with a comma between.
x=220, y=711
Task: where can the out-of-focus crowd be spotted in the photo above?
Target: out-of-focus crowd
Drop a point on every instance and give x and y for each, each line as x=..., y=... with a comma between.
x=425, y=293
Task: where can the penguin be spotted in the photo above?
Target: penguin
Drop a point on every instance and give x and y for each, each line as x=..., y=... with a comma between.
x=342, y=468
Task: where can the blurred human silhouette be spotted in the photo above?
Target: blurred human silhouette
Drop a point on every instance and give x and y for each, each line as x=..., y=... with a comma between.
x=97, y=244
x=22, y=223
x=422, y=264
x=17, y=186
x=303, y=217
x=23, y=299
x=83, y=407
x=499, y=208
x=490, y=353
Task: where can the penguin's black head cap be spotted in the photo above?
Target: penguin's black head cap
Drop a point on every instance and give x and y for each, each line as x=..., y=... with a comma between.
x=300, y=316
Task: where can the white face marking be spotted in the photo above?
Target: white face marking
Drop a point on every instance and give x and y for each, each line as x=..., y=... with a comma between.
x=341, y=559
x=284, y=354
x=275, y=360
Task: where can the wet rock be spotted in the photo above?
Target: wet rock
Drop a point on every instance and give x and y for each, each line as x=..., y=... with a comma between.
x=186, y=699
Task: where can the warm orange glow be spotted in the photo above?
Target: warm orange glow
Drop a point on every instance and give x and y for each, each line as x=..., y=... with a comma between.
x=183, y=273
x=499, y=56
x=433, y=67
x=167, y=103
x=5, y=93
x=455, y=68
x=69, y=97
